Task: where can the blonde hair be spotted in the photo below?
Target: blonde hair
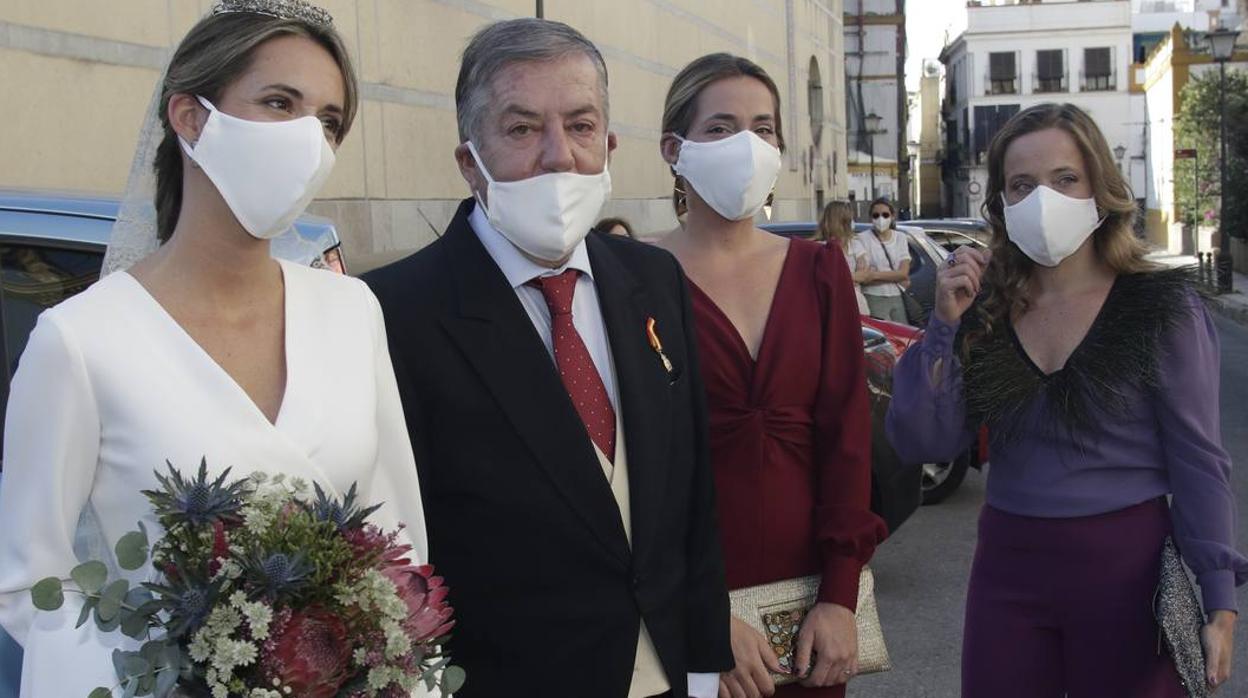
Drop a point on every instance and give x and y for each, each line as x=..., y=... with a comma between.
x=682, y=99
x=836, y=223
x=1115, y=243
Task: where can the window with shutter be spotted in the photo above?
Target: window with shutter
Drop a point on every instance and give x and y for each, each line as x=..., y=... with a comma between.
x=1050, y=71
x=1098, y=73
x=1002, y=73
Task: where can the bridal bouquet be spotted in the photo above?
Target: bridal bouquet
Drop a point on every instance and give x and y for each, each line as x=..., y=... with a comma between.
x=269, y=590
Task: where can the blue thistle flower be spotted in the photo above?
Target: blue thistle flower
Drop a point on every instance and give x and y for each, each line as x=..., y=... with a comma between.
x=197, y=502
x=344, y=515
x=276, y=574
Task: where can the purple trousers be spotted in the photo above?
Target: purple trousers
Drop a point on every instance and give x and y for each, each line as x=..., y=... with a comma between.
x=1064, y=607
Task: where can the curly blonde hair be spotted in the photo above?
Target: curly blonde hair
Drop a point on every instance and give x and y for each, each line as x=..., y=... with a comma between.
x=1008, y=277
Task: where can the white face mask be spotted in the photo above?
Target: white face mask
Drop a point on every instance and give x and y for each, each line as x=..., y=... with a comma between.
x=1049, y=226
x=881, y=224
x=732, y=175
x=546, y=216
x=267, y=171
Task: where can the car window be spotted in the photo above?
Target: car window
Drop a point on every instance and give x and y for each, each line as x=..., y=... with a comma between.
x=34, y=278
x=918, y=258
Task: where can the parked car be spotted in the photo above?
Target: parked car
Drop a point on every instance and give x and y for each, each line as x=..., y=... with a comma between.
x=52, y=247
x=926, y=255
x=896, y=489
x=954, y=230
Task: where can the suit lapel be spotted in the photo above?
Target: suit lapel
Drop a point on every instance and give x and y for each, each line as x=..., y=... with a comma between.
x=645, y=393
x=496, y=335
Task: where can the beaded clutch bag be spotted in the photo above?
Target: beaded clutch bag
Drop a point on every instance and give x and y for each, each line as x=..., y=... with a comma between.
x=776, y=610
x=1179, y=621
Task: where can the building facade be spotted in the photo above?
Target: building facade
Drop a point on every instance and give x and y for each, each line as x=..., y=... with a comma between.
x=78, y=75
x=927, y=141
x=1016, y=54
x=875, y=56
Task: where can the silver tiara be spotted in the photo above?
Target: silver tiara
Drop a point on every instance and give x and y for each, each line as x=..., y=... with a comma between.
x=282, y=9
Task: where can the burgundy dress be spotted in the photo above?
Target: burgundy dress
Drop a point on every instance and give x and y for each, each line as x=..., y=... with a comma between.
x=791, y=434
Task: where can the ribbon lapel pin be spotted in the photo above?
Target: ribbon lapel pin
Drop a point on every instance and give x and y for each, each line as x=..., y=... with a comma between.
x=657, y=345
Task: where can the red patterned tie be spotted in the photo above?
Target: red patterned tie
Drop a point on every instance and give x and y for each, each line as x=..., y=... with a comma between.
x=576, y=367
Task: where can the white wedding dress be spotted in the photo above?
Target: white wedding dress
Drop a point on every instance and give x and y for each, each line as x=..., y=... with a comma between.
x=110, y=387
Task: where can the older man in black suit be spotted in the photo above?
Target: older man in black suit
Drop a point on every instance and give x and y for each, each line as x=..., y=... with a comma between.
x=552, y=394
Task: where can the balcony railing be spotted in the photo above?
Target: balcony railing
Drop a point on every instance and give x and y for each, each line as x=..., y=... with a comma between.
x=1051, y=84
x=1003, y=87
x=1099, y=83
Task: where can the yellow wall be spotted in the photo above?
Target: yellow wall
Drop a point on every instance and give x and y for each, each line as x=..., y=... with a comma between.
x=77, y=75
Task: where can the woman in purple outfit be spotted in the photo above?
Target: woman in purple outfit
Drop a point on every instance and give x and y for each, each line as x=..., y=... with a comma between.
x=1097, y=375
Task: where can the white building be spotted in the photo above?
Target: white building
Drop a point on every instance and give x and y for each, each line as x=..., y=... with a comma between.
x=1151, y=20
x=875, y=56
x=1016, y=54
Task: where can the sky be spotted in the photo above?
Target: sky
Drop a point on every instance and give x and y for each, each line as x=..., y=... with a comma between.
x=926, y=24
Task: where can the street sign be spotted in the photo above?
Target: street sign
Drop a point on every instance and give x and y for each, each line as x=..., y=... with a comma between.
x=1184, y=153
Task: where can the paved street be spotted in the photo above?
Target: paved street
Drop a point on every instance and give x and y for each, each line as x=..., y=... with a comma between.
x=921, y=573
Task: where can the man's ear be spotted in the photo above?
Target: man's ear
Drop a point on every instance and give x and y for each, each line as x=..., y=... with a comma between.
x=469, y=170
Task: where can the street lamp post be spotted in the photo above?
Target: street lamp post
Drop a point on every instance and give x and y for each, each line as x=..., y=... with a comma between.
x=1119, y=152
x=872, y=122
x=1222, y=45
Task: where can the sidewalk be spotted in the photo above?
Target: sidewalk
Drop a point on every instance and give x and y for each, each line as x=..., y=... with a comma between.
x=1233, y=306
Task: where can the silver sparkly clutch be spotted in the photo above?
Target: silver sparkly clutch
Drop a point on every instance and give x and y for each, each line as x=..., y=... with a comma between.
x=777, y=610
x=1180, y=620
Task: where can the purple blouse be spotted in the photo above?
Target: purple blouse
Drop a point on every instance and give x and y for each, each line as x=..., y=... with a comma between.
x=1168, y=442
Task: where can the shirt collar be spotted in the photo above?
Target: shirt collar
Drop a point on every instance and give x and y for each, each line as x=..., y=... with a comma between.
x=518, y=268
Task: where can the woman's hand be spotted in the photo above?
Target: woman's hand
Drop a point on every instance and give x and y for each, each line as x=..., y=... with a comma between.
x=1218, y=637
x=958, y=283
x=831, y=632
x=755, y=661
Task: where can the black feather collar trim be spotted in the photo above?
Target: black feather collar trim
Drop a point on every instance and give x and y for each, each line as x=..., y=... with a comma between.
x=1117, y=359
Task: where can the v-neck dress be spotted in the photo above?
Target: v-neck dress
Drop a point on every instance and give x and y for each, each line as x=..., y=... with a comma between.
x=110, y=387
x=791, y=433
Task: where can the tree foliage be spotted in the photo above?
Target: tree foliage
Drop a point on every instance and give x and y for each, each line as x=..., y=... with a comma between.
x=1198, y=186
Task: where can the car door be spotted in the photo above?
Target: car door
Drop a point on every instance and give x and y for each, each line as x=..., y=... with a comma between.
x=44, y=259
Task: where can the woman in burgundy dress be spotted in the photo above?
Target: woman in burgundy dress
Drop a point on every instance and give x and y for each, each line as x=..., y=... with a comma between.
x=781, y=354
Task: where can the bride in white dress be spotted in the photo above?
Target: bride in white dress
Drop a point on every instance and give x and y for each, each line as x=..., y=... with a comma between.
x=206, y=347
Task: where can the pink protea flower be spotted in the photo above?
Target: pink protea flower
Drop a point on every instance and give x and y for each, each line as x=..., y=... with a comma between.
x=309, y=652
x=428, y=614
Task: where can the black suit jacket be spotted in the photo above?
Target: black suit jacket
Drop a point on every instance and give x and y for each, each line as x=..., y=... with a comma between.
x=522, y=524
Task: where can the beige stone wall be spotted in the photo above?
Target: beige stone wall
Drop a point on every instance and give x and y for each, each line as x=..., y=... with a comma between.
x=77, y=75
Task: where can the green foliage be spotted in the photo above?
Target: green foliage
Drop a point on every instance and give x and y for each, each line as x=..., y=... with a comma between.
x=132, y=549
x=1197, y=182
x=90, y=576
x=48, y=594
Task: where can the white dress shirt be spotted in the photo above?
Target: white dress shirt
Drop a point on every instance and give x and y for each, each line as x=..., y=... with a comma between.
x=519, y=270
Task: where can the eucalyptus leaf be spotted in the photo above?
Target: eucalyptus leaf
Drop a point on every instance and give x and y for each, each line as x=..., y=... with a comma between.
x=111, y=598
x=132, y=689
x=453, y=679
x=90, y=576
x=106, y=626
x=48, y=594
x=133, y=625
x=135, y=666
x=100, y=692
x=88, y=605
x=166, y=679
x=132, y=550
